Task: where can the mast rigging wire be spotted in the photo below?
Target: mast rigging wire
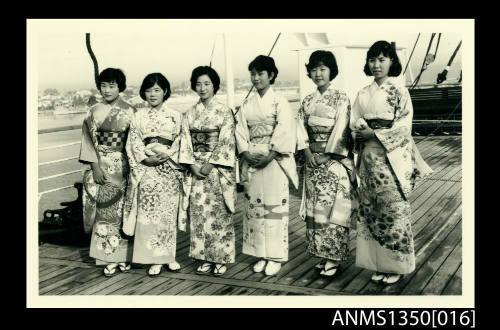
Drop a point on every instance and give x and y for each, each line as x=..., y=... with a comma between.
x=407, y=63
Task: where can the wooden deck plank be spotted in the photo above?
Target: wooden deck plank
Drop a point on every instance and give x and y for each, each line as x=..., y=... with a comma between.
x=124, y=282
x=52, y=282
x=148, y=284
x=438, y=282
x=101, y=283
x=130, y=286
x=209, y=290
x=48, y=276
x=454, y=286
x=193, y=289
x=438, y=256
x=47, y=270
x=174, y=290
x=67, y=283
x=243, y=291
x=171, y=282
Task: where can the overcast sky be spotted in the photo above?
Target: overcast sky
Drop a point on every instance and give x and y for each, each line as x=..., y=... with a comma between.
x=175, y=48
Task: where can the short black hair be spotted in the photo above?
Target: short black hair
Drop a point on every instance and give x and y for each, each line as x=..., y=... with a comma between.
x=264, y=63
x=388, y=50
x=323, y=57
x=205, y=70
x=110, y=75
x=155, y=78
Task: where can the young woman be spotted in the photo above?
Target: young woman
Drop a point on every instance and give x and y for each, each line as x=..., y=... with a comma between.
x=208, y=148
x=266, y=139
x=389, y=165
x=103, y=147
x=324, y=135
x=155, y=189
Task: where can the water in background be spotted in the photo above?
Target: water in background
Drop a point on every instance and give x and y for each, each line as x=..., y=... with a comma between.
x=49, y=120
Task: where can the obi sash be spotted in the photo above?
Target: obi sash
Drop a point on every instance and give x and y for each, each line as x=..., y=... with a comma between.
x=318, y=131
x=115, y=140
x=261, y=132
x=379, y=123
x=158, y=139
x=204, y=140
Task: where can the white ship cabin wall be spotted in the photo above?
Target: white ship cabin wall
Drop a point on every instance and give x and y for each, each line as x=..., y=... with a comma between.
x=350, y=61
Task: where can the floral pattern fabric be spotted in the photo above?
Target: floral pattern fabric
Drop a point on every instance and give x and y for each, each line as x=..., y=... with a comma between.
x=103, y=204
x=155, y=192
x=264, y=124
x=208, y=137
x=388, y=166
x=328, y=197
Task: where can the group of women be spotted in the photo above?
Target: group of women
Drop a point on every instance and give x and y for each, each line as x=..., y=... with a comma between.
x=155, y=171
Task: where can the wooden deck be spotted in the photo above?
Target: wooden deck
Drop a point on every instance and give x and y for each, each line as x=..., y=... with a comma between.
x=437, y=227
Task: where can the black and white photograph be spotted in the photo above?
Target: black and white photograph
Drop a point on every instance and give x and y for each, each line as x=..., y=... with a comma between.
x=320, y=163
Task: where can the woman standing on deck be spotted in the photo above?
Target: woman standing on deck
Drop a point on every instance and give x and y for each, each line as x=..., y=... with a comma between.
x=155, y=188
x=208, y=147
x=103, y=147
x=266, y=138
x=324, y=135
x=388, y=166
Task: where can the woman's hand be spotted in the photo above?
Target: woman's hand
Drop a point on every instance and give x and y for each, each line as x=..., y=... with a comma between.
x=364, y=135
x=154, y=160
x=265, y=160
x=197, y=172
x=310, y=161
x=100, y=176
x=252, y=160
x=206, y=169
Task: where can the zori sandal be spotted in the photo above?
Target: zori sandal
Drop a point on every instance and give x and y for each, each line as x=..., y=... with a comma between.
x=124, y=267
x=219, y=269
x=204, y=269
x=110, y=270
x=154, y=270
x=330, y=271
x=174, y=267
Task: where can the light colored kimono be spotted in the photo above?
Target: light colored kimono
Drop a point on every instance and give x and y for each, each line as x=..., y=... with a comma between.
x=104, y=133
x=155, y=193
x=328, y=196
x=388, y=167
x=267, y=124
x=208, y=137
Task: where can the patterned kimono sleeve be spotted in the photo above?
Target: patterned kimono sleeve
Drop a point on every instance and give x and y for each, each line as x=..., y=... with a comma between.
x=88, y=152
x=355, y=113
x=242, y=134
x=135, y=146
x=284, y=138
x=302, y=136
x=224, y=154
x=186, y=153
x=399, y=134
x=340, y=140
x=174, y=150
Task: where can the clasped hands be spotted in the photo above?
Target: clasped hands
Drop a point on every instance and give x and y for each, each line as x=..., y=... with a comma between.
x=156, y=160
x=201, y=172
x=258, y=160
x=364, y=134
x=315, y=160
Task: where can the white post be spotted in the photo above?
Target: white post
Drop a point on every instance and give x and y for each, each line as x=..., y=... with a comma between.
x=229, y=71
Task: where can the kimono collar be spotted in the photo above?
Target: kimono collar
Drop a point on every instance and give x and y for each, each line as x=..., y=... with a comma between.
x=115, y=105
x=328, y=90
x=268, y=96
x=389, y=81
x=163, y=108
x=202, y=106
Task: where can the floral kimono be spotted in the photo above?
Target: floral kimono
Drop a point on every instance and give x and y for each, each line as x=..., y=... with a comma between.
x=208, y=137
x=104, y=133
x=155, y=192
x=267, y=124
x=388, y=166
x=328, y=196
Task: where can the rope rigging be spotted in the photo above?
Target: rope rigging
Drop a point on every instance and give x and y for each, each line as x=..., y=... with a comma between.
x=442, y=76
x=94, y=59
x=427, y=60
x=409, y=59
